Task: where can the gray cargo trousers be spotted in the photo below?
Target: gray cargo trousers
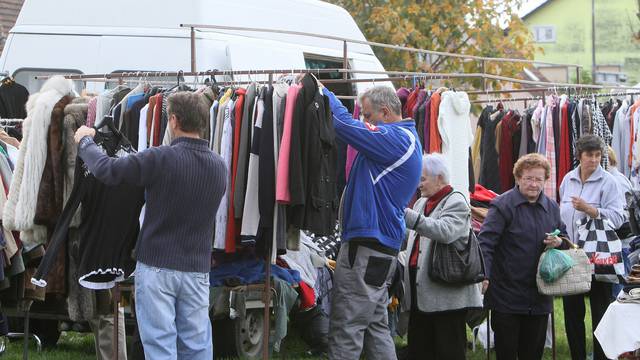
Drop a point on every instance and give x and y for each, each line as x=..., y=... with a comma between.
x=359, y=319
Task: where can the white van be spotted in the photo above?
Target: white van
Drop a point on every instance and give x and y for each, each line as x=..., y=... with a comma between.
x=88, y=37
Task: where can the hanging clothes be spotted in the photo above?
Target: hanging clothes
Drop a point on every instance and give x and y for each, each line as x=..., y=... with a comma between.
x=283, y=192
x=551, y=188
x=19, y=211
x=435, y=142
x=251, y=212
x=489, y=171
x=312, y=177
x=510, y=126
x=455, y=130
x=109, y=228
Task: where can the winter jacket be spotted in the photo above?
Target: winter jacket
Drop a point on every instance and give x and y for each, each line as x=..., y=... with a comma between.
x=312, y=162
x=19, y=210
x=383, y=178
x=600, y=191
x=512, y=240
x=448, y=223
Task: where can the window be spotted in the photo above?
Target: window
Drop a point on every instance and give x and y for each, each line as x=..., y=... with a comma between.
x=26, y=77
x=544, y=34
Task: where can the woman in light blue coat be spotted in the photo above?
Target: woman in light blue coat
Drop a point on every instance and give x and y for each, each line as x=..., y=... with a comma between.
x=588, y=190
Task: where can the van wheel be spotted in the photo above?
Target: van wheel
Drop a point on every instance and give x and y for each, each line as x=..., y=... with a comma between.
x=249, y=333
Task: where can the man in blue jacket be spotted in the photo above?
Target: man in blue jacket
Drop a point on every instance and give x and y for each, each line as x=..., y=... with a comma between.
x=383, y=179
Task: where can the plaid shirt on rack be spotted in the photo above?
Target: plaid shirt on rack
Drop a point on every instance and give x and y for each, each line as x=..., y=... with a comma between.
x=550, y=188
x=601, y=129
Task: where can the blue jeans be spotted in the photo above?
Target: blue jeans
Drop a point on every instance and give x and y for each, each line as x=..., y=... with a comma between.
x=172, y=309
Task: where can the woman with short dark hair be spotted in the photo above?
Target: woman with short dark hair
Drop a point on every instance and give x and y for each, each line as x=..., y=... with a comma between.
x=588, y=190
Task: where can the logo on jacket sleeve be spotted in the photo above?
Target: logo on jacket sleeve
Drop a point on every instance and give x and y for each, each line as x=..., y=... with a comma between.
x=370, y=126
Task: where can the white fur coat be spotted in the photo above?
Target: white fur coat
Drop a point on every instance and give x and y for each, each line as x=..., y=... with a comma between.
x=20, y=208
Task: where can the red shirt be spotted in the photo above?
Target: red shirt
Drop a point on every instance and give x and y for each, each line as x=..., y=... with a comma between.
x=232, y=226
x=564, y=164
x=432, y=202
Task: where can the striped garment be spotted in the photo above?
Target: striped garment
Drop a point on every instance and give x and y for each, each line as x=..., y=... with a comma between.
x=550, y=188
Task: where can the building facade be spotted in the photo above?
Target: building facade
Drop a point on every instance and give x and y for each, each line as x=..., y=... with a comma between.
x=562, y=28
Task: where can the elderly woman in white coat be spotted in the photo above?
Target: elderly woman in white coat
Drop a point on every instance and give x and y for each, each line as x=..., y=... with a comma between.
x=437, y=326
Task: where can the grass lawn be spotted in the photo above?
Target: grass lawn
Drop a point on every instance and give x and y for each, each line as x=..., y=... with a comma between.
x=74, y=346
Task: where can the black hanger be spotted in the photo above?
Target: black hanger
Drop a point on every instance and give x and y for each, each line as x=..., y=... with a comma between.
x=107, y=121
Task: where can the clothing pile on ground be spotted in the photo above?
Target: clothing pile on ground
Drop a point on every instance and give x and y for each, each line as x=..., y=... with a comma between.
x=551, y=128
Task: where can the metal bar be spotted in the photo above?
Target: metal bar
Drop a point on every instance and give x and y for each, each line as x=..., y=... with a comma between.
x=512, y=91
x=537, y=97
x=193, y=49
x=318, y=71
x=345, y=59
x=577, y=75
x=484, y=71
x=372, y=43
x=266, y=296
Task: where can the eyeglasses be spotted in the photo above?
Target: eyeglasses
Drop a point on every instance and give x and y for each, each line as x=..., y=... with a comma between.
x=531, y=180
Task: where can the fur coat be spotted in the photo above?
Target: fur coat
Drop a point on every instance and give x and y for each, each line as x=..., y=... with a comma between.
x=75, y=115
x=20, y=208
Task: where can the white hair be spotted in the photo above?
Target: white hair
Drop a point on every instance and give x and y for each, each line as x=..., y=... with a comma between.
x=435, y=165
x=380, y=96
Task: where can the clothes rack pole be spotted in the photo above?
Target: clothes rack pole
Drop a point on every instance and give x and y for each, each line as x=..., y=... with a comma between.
x=538, y=97
x=267, y=290
x=25, y=345
x=351, y=71
x=116, y=319
x=375, y=44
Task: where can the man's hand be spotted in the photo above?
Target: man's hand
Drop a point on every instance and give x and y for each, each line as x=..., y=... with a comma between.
x=581, y=205
x=552, y=241
x=84, y=131
x=485, y=285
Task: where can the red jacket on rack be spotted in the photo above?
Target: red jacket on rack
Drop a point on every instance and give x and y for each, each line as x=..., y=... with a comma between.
x=233, y=228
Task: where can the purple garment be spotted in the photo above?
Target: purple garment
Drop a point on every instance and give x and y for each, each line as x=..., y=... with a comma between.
x=351, y=152
x=427, y=118
x=421, y=95
x=403, y=94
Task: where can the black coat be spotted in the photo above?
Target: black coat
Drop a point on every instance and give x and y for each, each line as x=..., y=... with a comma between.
x=511, y=239
x=312, y=162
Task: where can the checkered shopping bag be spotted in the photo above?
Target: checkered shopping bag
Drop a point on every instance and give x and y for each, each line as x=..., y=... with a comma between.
x=603, y=248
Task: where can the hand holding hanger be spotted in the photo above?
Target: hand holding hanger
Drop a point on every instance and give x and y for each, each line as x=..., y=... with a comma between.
x=82, y=132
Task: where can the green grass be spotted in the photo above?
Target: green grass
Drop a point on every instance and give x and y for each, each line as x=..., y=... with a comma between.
x=74, y=346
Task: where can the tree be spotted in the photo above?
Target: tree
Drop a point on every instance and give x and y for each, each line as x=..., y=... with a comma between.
x=473, y=27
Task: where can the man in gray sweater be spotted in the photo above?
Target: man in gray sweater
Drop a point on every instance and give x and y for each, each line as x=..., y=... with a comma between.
x=183, y=183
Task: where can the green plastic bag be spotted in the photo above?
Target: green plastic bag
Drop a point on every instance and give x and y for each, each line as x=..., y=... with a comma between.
x=554, y=264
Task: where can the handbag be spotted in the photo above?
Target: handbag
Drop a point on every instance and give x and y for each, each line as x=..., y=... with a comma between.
x=601, y=244
x=577, y=280
x=449, y=265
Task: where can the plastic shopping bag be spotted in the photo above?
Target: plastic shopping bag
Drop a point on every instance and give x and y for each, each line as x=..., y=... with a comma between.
x=554, y=264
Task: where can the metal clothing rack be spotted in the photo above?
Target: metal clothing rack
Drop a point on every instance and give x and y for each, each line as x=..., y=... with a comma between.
x=533, y=98
x=345, y=71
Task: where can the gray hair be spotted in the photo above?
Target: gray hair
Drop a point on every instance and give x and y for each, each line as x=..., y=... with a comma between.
x=380, y=96
x=435, y=165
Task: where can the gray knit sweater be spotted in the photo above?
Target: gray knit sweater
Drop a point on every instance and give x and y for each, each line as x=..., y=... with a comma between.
x=183, y=183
